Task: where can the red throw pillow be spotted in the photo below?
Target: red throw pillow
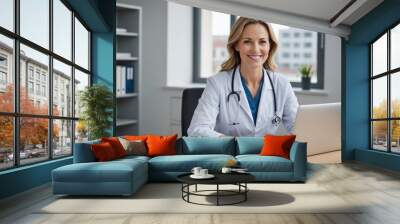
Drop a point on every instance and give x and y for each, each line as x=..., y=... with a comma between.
x=161, y=145
x=116, y=145
x=103, y=151
x=277, y=145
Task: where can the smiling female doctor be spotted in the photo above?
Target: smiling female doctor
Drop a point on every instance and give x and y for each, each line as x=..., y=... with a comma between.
x=246, y=98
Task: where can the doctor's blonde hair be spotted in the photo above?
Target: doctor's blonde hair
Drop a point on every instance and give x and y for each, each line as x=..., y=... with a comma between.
x=236, y=34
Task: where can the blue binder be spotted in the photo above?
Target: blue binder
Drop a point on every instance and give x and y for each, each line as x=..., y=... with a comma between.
x=129, y=79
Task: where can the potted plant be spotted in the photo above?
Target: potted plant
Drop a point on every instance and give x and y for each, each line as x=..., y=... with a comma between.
x=96, y=102
x=306, y=73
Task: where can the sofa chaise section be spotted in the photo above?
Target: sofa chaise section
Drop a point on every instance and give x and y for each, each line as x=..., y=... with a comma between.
x=87, y=177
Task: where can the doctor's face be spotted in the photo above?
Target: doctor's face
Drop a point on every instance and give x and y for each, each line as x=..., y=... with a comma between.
x=254, y=45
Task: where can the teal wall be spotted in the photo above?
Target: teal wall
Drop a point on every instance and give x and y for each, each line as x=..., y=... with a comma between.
x=355, y=92
x=99, y=15
x=24, y=178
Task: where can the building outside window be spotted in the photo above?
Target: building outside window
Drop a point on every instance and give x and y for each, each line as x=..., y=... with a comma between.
x=211, y=30
x=384, y=91
x=55, y=129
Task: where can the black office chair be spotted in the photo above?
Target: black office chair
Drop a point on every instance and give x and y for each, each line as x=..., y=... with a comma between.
x=190, y=99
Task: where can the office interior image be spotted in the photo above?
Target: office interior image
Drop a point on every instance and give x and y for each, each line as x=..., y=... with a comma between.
x=150, y=61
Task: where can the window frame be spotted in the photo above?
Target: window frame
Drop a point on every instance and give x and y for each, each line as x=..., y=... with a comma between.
x=16, y=114
x=388, y=74
x=197, y=55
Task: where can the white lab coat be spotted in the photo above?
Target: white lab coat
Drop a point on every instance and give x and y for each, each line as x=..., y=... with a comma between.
x=214, y=115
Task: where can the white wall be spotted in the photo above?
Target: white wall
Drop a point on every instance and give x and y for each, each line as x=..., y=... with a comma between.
x=167, y=60
x=179, y=44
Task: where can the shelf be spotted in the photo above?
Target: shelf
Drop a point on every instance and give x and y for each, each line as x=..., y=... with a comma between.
x=127, y=58
x=128, y=95
x=124, y=122
x=127, y=34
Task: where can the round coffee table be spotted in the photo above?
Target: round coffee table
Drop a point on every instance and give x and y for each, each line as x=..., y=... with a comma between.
x=238, y=179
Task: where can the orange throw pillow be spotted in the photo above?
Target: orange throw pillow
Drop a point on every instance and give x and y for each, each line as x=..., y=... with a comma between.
x=277, y=145
x=103, y=151
x=116, y=145
x=161, y=145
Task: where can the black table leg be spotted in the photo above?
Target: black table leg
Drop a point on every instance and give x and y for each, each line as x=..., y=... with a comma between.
x=245, y=193
x=217, y=194
x=196, y=188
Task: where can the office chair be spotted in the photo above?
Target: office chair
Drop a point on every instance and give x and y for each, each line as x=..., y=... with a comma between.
x=190, y=99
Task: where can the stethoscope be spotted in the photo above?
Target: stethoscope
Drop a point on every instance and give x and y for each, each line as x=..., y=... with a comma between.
x=276, y=120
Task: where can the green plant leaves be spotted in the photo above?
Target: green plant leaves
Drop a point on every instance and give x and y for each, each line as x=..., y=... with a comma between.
x=97, y=104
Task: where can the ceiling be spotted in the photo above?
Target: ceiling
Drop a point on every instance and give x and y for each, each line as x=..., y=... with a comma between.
x=319, y=9
x=327, y=16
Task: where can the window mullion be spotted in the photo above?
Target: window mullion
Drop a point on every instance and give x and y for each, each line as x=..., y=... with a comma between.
x=389, y=101
x=16, y=84
x=73, y=82
x=50, y=81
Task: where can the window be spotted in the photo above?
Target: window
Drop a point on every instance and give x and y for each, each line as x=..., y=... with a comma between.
x=30, y=72
x=81, y=45
x=34, y=24
x=38, y=74
x=3, y=78
x=3, y=61
x=384, y=92
x=211, y=30
x=30, y=87
x=3, y=72
x=44, y=91
x=62, y=29
x=312, y=53
x=38, y=89
x=46, y=129
x=7, y=14
x=307, y=34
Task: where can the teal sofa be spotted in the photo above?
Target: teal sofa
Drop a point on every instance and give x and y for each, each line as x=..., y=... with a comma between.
x=125, y=176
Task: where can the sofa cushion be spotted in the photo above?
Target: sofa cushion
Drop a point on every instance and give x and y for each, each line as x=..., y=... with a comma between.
x=103, y=152
x=249, y=145
x=185, y=163
x=133, y=147
x=111, y=171
x=208, y=145
x=116, y=145
x=277, y=145
x=161, y=145
x=257, y=163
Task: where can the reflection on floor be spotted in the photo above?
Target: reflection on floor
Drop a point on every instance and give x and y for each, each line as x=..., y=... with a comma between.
x=326, y=158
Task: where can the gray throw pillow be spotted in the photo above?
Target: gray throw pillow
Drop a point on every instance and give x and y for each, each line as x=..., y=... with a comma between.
x=135, y=147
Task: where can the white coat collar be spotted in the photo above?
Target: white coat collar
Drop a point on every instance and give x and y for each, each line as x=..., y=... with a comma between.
x=238, y=86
